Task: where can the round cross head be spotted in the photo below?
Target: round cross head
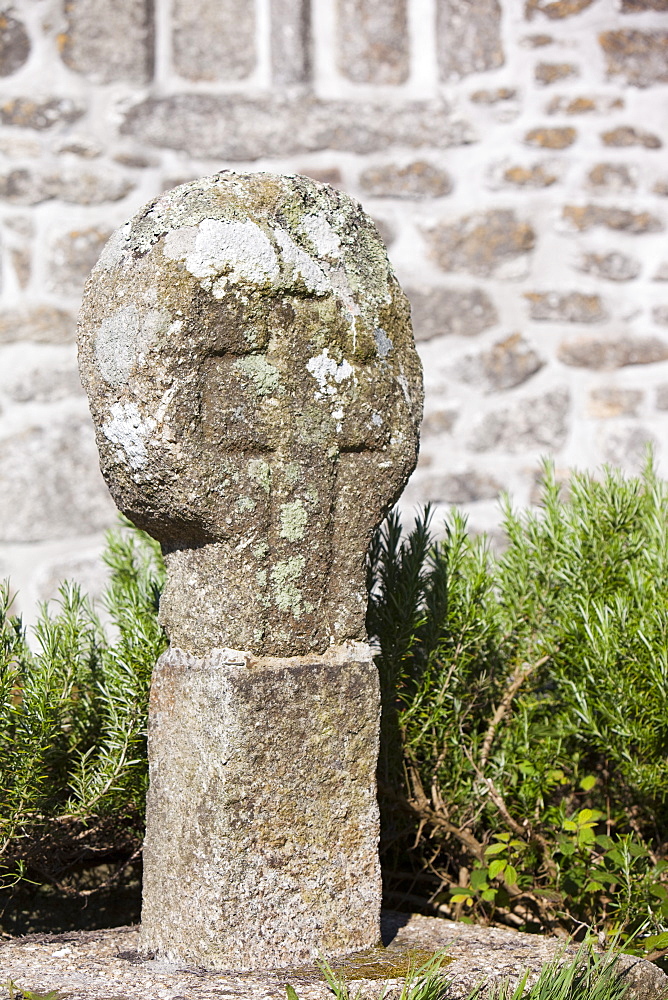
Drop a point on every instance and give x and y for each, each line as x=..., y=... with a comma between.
x=256, y=394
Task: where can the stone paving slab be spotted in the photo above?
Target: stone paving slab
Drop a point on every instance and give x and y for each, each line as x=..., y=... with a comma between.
x=105, y=965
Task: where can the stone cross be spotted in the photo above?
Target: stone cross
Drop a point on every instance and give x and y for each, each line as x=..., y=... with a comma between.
x=256, y=393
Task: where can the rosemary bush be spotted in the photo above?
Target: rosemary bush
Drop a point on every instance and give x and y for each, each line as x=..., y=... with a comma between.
x=73, y=720
x=525, y=731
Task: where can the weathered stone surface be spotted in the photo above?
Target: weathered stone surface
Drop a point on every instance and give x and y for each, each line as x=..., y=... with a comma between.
x=612, y=352
x=507, y=363
x=626, y=446
x=238, y=128
x=42, y=325
x=43, y=383
x=556, y=9
x=80, y=145
x=547, y=73
x=568, y=307
x=480, y=243
x=538, y=175
x=436, y=423
x=661, y=188
x=551, y=138
x=325, y=175
x=583, y=217
x=291, y=54
x=614, y=266
x=213, y=39
x=612, y=178
x=27, y=113
x=459, y=487
x=661, y=272
x=372, y=40
x=639, y=57
x=250, y=366
x=536, y=41
x=537, y=422
x=71, y=256
x=638, y=6
x=464, y=312
x=468, y=37
x=291, y=815
x=583, y=105
x=494, y=95
x=662, y=396
x=418, y=179
x=108, y=40
x=660, y=315
x=76, y=186
x=627, y=135
x=14, y=44
x=21, y=258
x=69, y=497
x=611, y=401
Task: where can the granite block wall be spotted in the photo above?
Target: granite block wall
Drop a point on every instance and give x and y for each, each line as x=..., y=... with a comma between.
x=512, y=153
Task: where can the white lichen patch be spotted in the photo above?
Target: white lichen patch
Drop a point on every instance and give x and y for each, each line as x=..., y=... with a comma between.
x=260, y=471
x=328, y=373
x=383, y=343
x=287, y=595
x=115, y=248
x=304, y=267
x=265, y=377
x=129, y=429
x=225, y=252
x=324, y=238
x=292, y=473
x=293, y=520
x=124, y=337
x=245, y=504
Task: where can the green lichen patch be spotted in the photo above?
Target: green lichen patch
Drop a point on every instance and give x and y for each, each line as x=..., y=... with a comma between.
x=293, y=520
x=385, y=963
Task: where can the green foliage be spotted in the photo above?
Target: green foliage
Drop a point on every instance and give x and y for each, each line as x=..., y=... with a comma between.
x=73, y=711
x=529, y=734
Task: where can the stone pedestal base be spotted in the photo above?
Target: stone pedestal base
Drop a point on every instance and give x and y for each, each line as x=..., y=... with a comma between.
x=262, y=831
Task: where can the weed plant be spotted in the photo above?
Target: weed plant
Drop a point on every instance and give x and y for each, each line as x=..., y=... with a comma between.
x=525, y=731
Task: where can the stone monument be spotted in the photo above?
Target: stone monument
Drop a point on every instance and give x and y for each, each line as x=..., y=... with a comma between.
x=256, y=393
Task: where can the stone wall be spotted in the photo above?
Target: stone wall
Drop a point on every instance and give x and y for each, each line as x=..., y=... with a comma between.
x=511, y=151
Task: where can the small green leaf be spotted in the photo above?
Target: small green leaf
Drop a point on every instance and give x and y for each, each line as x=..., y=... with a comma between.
x=497, y=866
x=588, y=782
x=291, y=993
x=593, y=886
x=479, y=879
x=461, y=897
x=655, y=941
x=510, y=875
x=495, y=849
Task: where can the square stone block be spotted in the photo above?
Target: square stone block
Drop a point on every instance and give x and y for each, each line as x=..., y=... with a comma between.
x=262, y=820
